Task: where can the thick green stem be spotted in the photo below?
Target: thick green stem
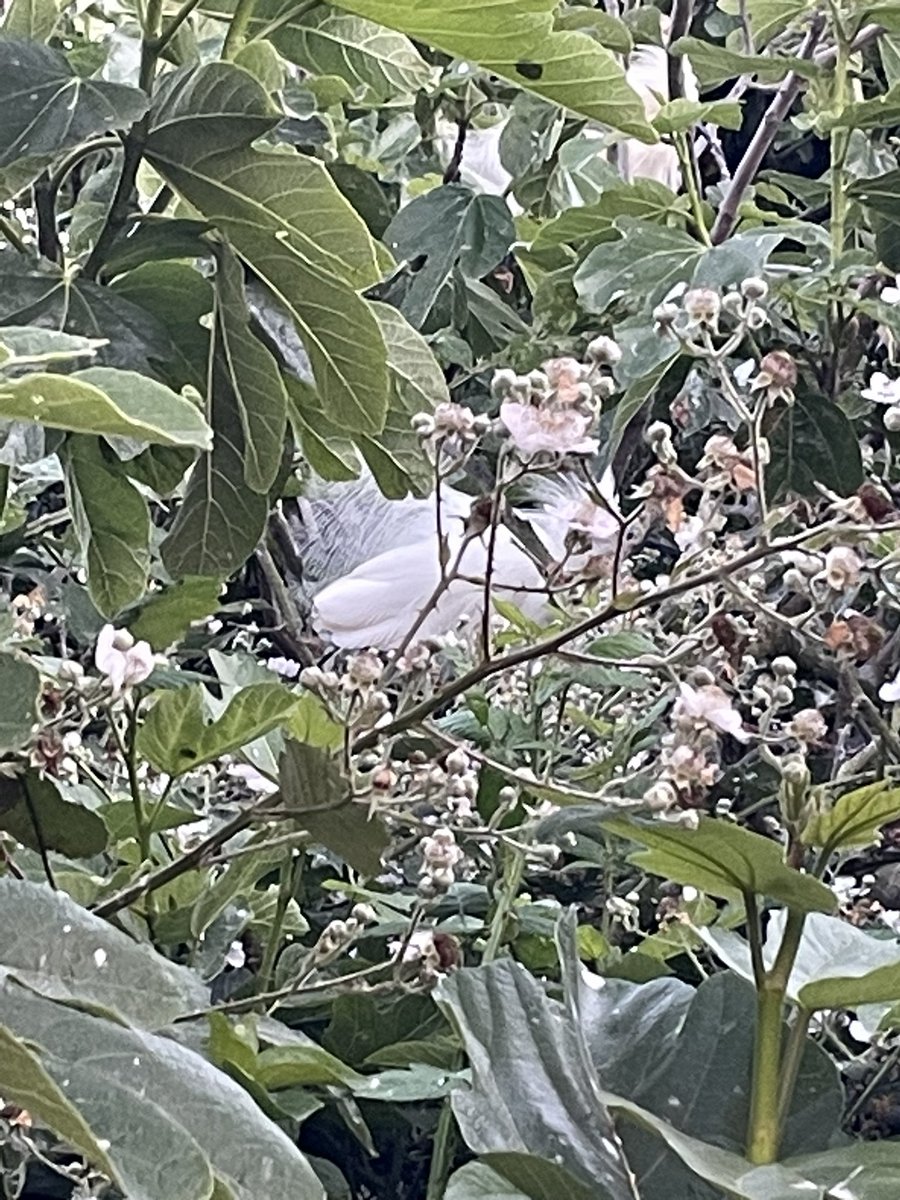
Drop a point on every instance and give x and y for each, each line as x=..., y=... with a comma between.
x=688, y=165
x=133, y=149
x=289, y=881
x=793, y=1057
x=768, y=1095
x=236, y=37
x=765, y=1127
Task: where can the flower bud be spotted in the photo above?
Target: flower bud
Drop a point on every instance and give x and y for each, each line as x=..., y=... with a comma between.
x=755, y=288
x=364, y=913
x=702, y=305
x=757, y=317
x=892, y=419
x=604, y=350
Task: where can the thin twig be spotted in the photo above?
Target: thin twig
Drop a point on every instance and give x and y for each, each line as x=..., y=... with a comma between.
x=782, y=101
x=514, y=658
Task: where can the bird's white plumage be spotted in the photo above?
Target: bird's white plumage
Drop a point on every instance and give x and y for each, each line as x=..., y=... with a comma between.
x=378, y=601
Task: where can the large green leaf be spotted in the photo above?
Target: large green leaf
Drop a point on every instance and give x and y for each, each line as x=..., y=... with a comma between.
x=87, y=962
x=533, y=1088
x=287, y=220
x=46, y=109
x=715, y=64
x=517, y=40
x=133, y=338
x=32, y=19
x=447, y=226
x=649, y=259
x=181, y=300
x=33, y=810
x=105, y=401
x=515, y=1177
x=221, y=519
x=686, y=1054
x=381, y=66
x=253, y=376
x=172, y=1126
x=395, y=455
x=813, y=444
x=722, y=859
x=856, y=819
x=166, y=616
x=112, y=524
x=310, y=779
x=837, y=966
x=20, y=686
x=176, y=736
x=25, y=1082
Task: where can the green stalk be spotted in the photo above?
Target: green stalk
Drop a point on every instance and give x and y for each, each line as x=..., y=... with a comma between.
x=289, y=880
x=839, y=142
x=445, y=1134
x=689, y=175
x=133, y=147
x=236, y=37
x=769, y=1097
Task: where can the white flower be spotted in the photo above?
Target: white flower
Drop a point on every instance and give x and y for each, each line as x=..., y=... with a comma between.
x=285, y=667
x=708, y=705
x=124, y=661
x=890, y=692
x=536, y=429
x=891, y=295
x=808, y=725
x=842, y=568
x=236, y=956
x=881, y=389
x=419, y=948
x=255, y=780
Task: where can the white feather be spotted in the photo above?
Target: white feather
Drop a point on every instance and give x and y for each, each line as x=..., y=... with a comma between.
x=379, y=600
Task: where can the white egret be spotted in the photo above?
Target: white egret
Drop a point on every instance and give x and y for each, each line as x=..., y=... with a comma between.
x=378, y=567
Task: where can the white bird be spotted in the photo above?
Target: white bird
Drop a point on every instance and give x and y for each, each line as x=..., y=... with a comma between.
x=648, y=74
x=378, y=560
x=382, y=599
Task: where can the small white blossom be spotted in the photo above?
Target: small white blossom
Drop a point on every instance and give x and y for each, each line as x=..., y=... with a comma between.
x=890, y=691
x=881, y=389
x=708, y=706
x=842, y=568
x=121, y=659
x=419, y=948
x=235, y=956
x=547, y=429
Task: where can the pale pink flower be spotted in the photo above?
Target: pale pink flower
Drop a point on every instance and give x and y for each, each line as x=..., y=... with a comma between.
x=842, y=568
x=708, y=705
x=121, y=659
x=545, y=429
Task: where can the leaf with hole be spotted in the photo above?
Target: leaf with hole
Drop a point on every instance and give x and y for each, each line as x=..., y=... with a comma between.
x=520, y=43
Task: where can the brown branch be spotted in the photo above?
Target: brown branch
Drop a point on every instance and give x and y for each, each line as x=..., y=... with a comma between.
x=782, y=101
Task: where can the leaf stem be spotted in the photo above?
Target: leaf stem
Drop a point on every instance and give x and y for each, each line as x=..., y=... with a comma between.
x=160, y=43
x=133, y=148
x=236, y=37
x=770, y=1096
x=289, y=880
x=9, y=231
